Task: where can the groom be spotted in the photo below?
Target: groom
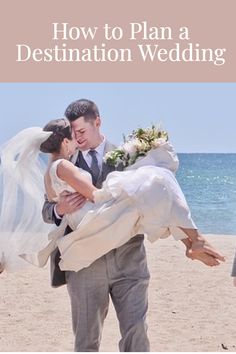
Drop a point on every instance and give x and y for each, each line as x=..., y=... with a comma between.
x=121, y=274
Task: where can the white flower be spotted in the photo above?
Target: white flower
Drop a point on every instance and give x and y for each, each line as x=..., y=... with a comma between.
x=157, y=142
x=108, y=155
x=130, y=147
x=137, y=145
x=141, y=145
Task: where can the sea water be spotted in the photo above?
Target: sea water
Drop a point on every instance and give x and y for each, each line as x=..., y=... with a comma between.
x=209, y=184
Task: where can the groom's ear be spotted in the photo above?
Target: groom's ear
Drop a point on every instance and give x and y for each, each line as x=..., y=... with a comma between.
x=98, y=122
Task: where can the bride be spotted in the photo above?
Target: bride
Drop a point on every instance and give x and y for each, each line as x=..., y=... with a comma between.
x=143, y=199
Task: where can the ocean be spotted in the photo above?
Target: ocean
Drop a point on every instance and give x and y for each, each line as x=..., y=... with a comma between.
x=209, y=184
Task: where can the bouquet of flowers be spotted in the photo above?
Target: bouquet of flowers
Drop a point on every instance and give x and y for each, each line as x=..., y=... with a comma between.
x=136, y=145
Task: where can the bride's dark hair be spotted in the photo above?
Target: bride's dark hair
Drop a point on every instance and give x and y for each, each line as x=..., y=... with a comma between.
x=60, y=129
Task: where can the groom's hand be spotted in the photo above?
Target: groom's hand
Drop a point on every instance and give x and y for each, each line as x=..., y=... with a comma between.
x=69, y=202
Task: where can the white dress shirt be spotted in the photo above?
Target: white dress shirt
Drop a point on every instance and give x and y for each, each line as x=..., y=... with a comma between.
x=99, y=154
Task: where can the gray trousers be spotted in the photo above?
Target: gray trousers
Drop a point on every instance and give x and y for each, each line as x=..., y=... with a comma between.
x=233, y=273
x=123, y=276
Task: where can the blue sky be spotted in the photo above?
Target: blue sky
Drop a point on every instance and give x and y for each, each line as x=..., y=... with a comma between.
x=198, y=117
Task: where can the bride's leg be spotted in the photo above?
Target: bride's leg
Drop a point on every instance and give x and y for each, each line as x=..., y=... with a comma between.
x=201, y=249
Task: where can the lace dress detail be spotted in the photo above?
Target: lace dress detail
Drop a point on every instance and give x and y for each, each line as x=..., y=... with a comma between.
x=60, y=186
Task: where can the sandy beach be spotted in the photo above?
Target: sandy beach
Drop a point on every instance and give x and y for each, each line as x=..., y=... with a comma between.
x=191, y=307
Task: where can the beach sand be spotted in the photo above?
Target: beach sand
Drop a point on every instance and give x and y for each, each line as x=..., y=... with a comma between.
x=191, y=307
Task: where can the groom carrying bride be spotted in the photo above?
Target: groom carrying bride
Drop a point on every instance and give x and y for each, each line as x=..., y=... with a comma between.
x=102, y=255
x=121, y=273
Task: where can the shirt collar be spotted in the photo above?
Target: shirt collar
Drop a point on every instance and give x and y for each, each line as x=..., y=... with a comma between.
x=99, y=149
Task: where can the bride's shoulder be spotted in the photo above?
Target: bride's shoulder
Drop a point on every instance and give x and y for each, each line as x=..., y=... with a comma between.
x=59, y=165
x=64, y=168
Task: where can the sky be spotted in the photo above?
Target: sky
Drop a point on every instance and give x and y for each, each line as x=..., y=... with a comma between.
x=199, y=117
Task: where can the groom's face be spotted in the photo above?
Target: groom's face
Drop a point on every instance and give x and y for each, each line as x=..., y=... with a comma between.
x=86, y=132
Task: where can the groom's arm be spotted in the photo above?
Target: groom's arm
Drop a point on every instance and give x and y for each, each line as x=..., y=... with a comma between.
x=68, y=203
x=48, y=213
x=233, y=273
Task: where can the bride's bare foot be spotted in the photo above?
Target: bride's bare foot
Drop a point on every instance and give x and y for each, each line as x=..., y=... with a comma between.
x=203, y=257
x=204, y=252
x=199, y=248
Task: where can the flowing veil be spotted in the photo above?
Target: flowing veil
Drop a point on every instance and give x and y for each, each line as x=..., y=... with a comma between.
x=22, y=229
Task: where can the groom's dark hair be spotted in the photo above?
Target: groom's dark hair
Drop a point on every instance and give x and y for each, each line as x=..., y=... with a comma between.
x=82, y=108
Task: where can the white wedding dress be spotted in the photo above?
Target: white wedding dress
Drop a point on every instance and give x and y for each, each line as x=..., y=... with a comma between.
x=145, y=200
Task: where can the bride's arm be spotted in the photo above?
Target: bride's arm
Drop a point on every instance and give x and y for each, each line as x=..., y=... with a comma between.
x=72, y=176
